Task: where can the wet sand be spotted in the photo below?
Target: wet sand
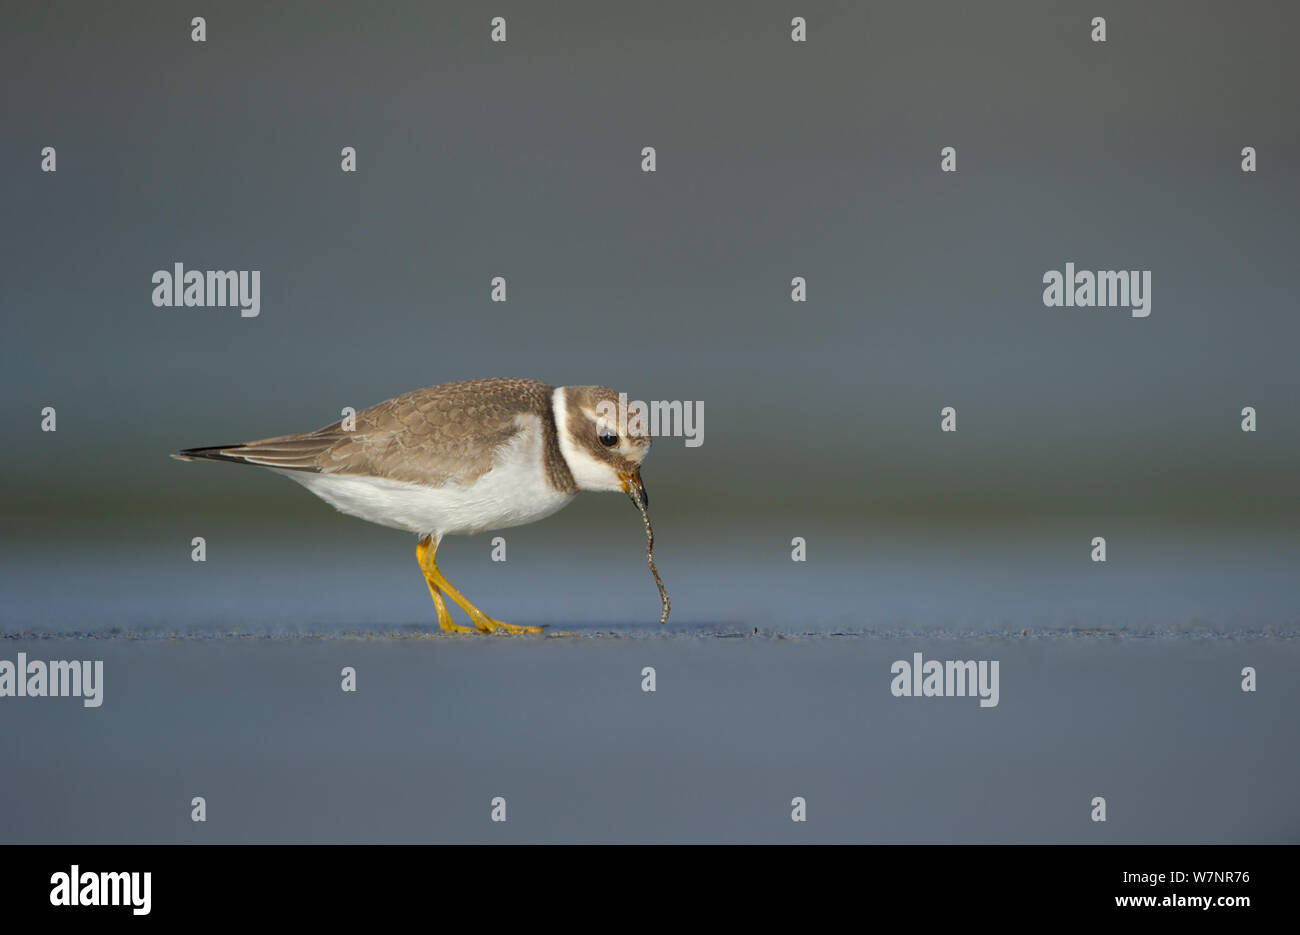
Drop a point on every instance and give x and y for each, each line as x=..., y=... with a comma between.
x=739, y=724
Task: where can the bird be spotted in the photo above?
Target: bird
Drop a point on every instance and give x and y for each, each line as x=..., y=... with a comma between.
x=457, y=459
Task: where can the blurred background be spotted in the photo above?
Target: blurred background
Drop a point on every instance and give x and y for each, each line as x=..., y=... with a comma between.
x=821, y=420
x=775, y=159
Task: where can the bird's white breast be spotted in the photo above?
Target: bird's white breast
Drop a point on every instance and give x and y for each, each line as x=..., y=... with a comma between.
x=514, y=492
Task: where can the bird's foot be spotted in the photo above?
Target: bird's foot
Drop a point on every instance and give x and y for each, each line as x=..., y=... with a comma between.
x=486, y=624
x=445, y=623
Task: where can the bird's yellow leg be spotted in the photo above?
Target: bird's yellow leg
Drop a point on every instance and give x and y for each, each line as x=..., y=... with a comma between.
x=437, y=583
x=424, y=555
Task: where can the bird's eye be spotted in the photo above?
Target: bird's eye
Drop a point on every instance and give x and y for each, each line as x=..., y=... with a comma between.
x=609, y=441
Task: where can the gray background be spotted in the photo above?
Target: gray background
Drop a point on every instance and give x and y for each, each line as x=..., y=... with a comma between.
x=776, y=159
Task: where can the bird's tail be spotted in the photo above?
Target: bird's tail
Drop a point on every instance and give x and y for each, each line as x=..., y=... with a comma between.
x=211, y=453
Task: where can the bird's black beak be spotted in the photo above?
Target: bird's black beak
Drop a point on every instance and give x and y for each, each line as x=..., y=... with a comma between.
x=635, y=488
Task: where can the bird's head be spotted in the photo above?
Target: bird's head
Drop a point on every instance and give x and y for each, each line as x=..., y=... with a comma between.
x=602, y=442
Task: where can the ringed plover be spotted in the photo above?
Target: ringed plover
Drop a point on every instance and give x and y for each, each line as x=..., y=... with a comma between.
x=459, y=458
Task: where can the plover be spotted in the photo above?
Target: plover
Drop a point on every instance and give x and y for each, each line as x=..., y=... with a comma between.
x=459, y=458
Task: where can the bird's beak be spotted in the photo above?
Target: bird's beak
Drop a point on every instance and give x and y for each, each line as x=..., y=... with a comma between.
x=634, y=488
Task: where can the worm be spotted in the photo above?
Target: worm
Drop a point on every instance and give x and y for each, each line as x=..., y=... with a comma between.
x=650, y=559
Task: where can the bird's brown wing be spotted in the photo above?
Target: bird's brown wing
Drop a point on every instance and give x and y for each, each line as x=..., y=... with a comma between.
x=444, y=434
